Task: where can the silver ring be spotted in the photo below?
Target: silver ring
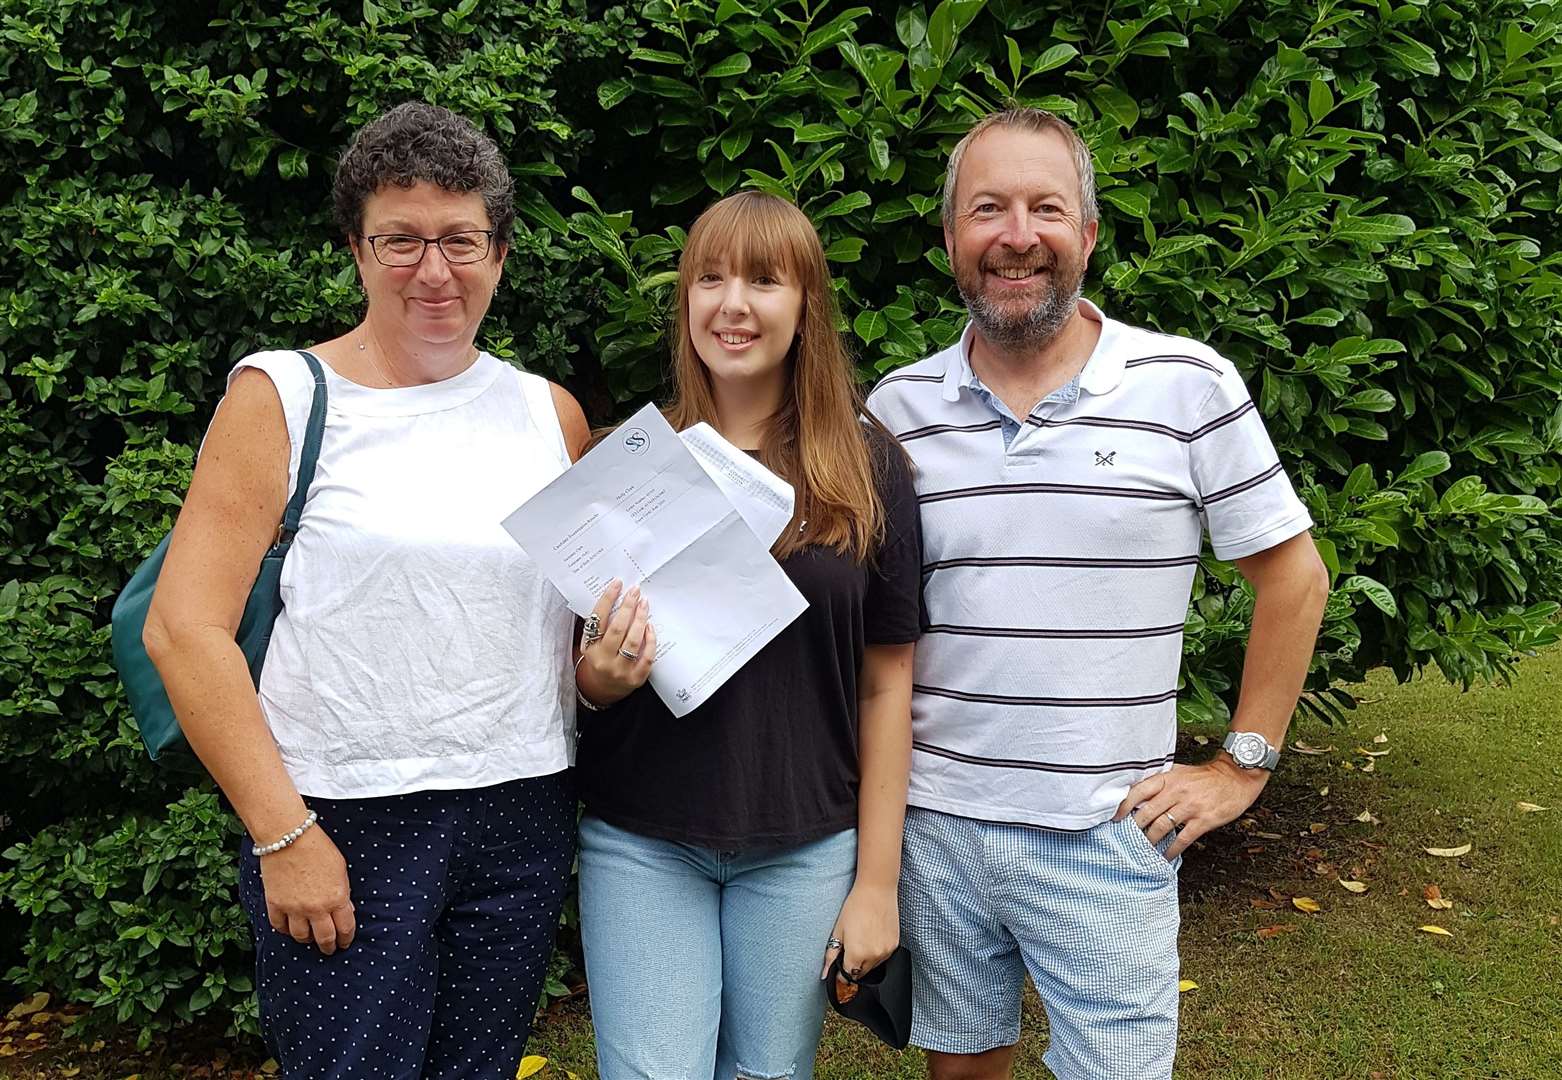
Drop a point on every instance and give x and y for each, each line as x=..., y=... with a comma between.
x=833, y=943
x=1175, y=823
x=627, y=655
x=591, y=633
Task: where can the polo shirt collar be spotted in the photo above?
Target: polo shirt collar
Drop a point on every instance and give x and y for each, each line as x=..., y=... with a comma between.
x=1101, y=374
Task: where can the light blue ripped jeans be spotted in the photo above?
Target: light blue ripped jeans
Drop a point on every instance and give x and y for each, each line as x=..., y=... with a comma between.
x=703, y=964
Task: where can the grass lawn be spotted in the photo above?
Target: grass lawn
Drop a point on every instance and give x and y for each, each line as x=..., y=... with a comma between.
x=1355, y=989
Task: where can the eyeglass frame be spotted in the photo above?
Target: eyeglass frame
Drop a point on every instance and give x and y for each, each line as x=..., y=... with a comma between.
x=438, y=241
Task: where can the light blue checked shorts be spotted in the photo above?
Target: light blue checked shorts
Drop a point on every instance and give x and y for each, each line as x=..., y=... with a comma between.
x=1091, y=915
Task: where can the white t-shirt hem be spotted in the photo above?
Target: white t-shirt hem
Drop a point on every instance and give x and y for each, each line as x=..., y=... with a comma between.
x=1012, y=815
x=400, y=776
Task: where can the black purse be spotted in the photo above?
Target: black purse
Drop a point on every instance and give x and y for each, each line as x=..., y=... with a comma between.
x=882, y=1003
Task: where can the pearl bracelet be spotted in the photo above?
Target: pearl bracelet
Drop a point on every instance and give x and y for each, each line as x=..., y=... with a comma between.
x=286, y=841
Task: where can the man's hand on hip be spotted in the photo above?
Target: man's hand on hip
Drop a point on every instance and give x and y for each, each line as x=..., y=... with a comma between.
x=1193, y=799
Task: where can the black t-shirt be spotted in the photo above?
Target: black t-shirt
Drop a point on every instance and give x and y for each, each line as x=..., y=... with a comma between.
x=770, y=760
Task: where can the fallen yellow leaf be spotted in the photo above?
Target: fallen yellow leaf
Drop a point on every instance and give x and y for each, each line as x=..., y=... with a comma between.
x=1366, y=818
x=270, y=1067
x=530, y=1064
x=1185, y=985
x=1448, y=852
x=1438, y=930
x=1274, y=931
x=1353, y=886
x=1531, y=808
x=36, y=1003
x=1307, y=904
x=1323, y=790
x=1202, y=740
x=1317, y=827
x=1370, y=766
x=1312, y=751
x=1372, y=753
x=1439, y=904
x=1380, y=738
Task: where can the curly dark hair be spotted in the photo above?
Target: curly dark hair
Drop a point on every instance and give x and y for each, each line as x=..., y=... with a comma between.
x=418, y=141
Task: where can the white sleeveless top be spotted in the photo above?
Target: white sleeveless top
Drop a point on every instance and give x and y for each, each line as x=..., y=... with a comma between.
x=418, y=647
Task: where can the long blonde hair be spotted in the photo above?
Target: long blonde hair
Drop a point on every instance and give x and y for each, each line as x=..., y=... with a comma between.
x=816, y=440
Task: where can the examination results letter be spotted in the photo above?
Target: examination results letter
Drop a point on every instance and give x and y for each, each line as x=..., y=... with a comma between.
x=641, y=508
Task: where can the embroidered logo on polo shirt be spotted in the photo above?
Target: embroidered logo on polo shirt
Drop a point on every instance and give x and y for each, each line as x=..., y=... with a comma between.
x=1107, y=458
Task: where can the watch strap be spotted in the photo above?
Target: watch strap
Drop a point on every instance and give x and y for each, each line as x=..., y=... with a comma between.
x=1271, y=756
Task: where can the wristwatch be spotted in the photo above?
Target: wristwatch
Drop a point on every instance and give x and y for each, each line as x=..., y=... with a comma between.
x=1250, y=750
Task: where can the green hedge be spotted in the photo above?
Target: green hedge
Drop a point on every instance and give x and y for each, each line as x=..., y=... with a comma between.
x=1350, y=199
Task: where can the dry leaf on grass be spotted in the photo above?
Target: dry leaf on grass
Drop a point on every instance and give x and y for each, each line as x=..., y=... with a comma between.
x=1366, y=817
x=1372, y=753
x=1448, y=852
x=1434, y=898
x=1264, y=905
x=530, y=1064
x=1370, y=766
x=1353, y=886
x=1307, y=904
x=1202, y=740
x=1531, y=808
x=1317, y=827
x=1380, y=738
x=270, y=1067
x=1312, y=751
x=1265, y=932
x=1323, y=790
x=1438, y=930
x=1185, y=985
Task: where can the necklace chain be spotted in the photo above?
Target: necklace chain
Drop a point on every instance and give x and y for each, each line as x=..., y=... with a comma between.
x=374, y=362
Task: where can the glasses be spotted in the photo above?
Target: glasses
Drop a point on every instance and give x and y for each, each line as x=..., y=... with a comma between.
x=399, y=249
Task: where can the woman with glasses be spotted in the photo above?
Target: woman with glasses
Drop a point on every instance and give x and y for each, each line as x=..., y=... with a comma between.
x=403, y=770
x=729, y=856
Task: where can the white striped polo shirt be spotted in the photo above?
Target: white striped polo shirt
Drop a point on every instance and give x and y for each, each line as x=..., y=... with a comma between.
x=1057, y=569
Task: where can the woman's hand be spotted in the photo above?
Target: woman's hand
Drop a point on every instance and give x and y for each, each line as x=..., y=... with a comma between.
x=307, y=895
x=619, y=661
x=868, y=929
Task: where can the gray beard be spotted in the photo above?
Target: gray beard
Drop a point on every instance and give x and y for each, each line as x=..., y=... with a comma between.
x=1029, y=329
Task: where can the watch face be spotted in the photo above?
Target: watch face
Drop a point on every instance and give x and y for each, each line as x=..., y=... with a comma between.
x=1248, y=749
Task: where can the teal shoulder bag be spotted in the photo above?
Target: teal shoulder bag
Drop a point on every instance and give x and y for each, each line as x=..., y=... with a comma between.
x=148, y=700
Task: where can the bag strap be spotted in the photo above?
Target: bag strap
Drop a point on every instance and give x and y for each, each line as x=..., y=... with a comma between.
x=310, y=452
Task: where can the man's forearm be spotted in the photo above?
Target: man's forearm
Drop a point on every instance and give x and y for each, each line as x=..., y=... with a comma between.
x=1290, y=590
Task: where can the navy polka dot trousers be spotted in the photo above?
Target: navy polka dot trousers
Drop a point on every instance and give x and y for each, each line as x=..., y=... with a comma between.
x=457, y=897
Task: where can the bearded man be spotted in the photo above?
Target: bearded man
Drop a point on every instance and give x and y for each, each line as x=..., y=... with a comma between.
x=1068, y=467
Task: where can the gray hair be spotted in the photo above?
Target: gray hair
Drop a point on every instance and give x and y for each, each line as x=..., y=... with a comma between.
x=1037, y=121
x=417, y=141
